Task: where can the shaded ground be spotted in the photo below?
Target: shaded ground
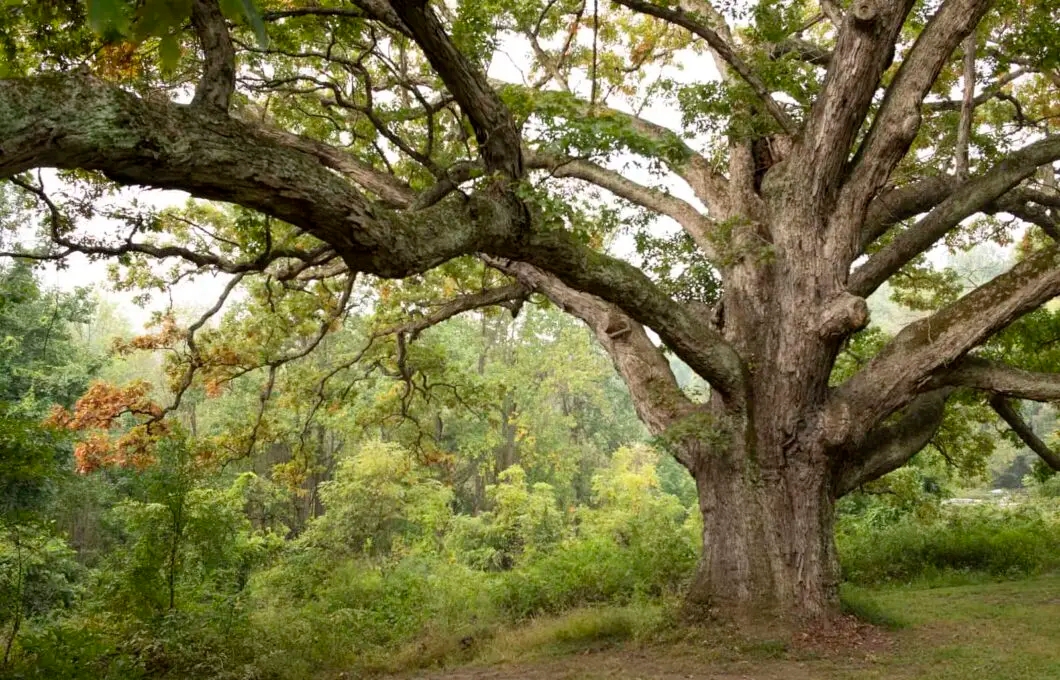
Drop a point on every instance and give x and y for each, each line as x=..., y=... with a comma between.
x=999, y=631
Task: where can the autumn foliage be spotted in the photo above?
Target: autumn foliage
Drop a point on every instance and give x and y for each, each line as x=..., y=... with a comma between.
x=101, y=413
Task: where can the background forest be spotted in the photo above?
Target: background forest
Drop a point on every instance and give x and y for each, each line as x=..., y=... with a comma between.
x=405, y=497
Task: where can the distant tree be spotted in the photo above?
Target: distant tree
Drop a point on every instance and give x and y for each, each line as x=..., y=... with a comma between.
x=40, y=358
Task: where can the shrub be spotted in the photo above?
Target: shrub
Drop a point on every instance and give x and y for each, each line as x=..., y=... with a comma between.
x=638, y=540
x=999, y=542
x=351, y=613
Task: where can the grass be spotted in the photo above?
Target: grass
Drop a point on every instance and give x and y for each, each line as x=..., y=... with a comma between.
x=586, y=629
x=984, y=631
x=991, y=631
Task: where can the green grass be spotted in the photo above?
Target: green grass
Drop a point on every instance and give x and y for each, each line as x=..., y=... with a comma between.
x=990, y=631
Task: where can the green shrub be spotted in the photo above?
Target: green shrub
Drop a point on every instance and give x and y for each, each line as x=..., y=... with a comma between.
x=997, y=542
x=351, y=613
x=379, y=501
x=525, y=521
x=77, y=648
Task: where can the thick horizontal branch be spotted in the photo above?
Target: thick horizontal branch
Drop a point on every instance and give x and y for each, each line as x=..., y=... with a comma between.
x=697, y=225
x=903, y=203
x=75, y=121
x=965, y=200
x=695, y=24
x=890, y=446
x=1008, y=381
x=907, y=364
x=391, y=191
x=218, y=80
x=1011, y=416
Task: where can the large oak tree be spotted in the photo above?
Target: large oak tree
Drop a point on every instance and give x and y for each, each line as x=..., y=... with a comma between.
x=838, y=144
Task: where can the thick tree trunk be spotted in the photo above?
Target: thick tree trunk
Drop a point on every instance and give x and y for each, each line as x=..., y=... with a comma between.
x=768, y=544
x=766, y=490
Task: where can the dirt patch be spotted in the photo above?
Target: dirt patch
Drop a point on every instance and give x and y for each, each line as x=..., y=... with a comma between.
x=846, y=636
x=643, y=665
x=850, y=645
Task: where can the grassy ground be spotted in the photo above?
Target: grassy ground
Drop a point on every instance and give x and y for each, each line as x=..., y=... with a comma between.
x=992, y=631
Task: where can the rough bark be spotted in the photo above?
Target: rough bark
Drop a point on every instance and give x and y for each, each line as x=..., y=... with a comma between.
x=890, y=446
x=218, y=80
x=768, y=544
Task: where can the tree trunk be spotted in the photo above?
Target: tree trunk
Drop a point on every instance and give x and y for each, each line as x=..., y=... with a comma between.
x=768, y=545
x=765, y=488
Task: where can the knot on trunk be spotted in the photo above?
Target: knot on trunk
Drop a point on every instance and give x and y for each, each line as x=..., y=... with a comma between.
x=864, y=12
x=846, y=313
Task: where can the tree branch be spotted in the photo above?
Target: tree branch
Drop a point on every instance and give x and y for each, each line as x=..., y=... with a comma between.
x=803, y=50
x=890, y=446
x=901, y=203
x=1011, y=416
x=898, y=120
x=656, y=395
x=219, y=56
x=831, y=9
x=864, y=49
x=709, y=186
x=721, y=47
x=685, y=332
x=458, y=305
x=698, y=226
x=964, y=129
x=75, y=121
x=967, y=199
x=990, y=92
x=905, y=365
x=259, y=263
x=499, y=140
x=391, y=191
x=1008, y=381
x=1015, y=204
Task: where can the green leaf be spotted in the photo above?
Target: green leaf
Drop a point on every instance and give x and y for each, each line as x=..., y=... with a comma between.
x=159, y=17
x=247, y=10
x=108, y=18
x=250, y=10
x=169, y=52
